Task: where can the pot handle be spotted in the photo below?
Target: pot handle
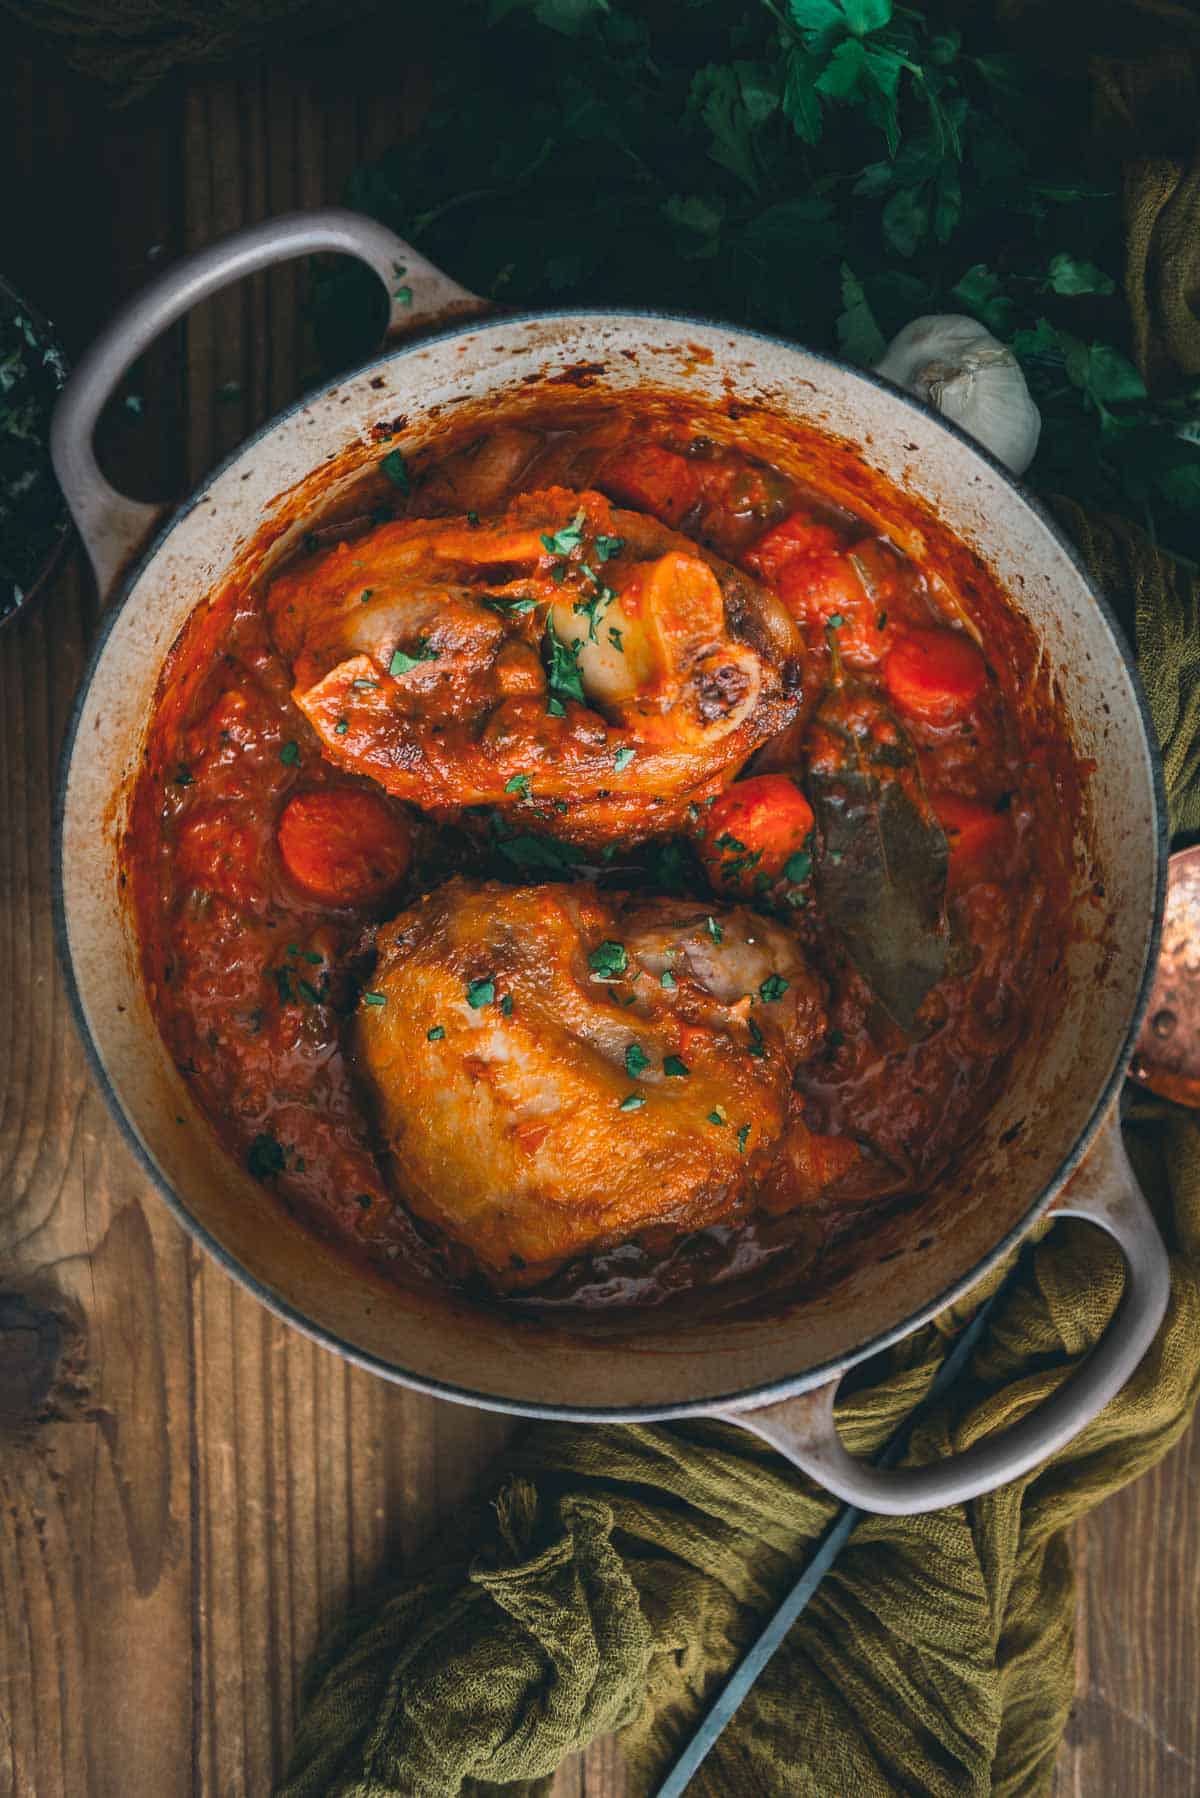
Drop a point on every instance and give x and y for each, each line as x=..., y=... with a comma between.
x=113, y=526
x=1104, y=1191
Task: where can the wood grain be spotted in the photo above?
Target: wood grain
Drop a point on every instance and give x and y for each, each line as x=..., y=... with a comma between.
x=189, y=1491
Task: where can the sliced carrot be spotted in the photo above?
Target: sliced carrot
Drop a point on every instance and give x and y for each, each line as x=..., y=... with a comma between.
x=795, y=536
x=757, y=827
x=655, y=480
x=346, y=845
x=976, y=834
x=934, y=675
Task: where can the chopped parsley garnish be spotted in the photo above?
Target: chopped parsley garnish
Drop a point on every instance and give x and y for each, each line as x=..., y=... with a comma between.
x=717, y=1115
x=265, y=1157
x=798, y=867
x=633, y=1102
x=481, y=992
x=518, y=784
x=374, y=998
x=636, y=1060
x=614, y=637
x=341, y=727
x=881, y=622
x=772, y=988
x=283, y=982
x=835, y=621
x=184, y=777
x=396, y=469
x=609, y=960
x=555, y=707
x=367, y=594
x=726, y=841
x=714, y=929
x=667, y=979
x=506, y=1006
x=623, y=758
x=473, y=520
x=593, y=609
x=674, y=1066
x=310, y=543
x=836, y=1039
x=509, y=608
x=757, y=1046
x=402, y=662
x=524, y=850
x=561, y=543
x=308, y=991
x=562, y=669
x=742, y=1138
x=608, y=547
x=289, y=755
x=436, y=1034
x=312, y=956
x=365, y=686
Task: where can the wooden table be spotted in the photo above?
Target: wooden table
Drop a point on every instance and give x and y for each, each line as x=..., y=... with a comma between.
x=190, y=1491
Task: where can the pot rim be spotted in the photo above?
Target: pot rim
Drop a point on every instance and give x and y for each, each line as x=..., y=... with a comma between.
x=746, y=1397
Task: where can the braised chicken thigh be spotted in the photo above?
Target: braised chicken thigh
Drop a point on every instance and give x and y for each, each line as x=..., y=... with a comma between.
x=556, y=1068
x=564, y=653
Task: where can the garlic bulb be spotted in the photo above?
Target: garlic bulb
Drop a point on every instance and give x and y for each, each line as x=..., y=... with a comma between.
x=963, y=371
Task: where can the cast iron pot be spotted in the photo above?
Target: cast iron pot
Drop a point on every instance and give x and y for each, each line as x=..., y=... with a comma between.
x=1051, y=1137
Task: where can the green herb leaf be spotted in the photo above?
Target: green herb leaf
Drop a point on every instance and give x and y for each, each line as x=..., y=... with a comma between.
x=674, y=1067
x=636, y=1060
x=396, y=469
x=518, y=784
x=265, y=1157
x=374, y=998
x=508, y=608
x=667, y=980
x=608, y=547
x=743, y=1137
x=562, y=542
x=1068, y=275
x=402, y=662
x=772, y=988
x=717, y=1115
x=622, y=758
x=341, y=727
x=714, y=929
x=562, y=667
x=289, y=755
x=481, y=992
x=506, y=1006
x=632, y=1102
x=609, y=961
x=436, y=1034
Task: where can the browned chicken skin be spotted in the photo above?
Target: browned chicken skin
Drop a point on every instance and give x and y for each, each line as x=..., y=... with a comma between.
x=584, y=664
x=555, y=1068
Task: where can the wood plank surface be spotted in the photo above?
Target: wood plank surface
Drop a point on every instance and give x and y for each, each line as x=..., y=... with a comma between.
x=189, y=1491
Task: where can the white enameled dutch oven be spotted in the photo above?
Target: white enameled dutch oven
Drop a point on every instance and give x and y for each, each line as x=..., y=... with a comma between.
x=1051, y=1136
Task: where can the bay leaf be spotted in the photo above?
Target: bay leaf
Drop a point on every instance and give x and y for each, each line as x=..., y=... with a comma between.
x=881, y=856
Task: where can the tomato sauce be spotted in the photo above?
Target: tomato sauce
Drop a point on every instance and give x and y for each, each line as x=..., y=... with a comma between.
x=260, y=869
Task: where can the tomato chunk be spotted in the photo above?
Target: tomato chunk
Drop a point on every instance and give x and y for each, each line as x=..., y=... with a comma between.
x=344, y=844
x=655, y=480
x=756, y=828
x=976, y=833
x=935, y=675
x=783, y=543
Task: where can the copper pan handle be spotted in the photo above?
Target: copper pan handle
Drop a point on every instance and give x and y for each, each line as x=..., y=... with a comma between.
x=1104, y=1191
x=111, y=525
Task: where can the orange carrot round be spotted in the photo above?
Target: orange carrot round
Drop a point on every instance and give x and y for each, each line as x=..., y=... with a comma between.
x=345, y=845
x=758, y=827
x=934, y=675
